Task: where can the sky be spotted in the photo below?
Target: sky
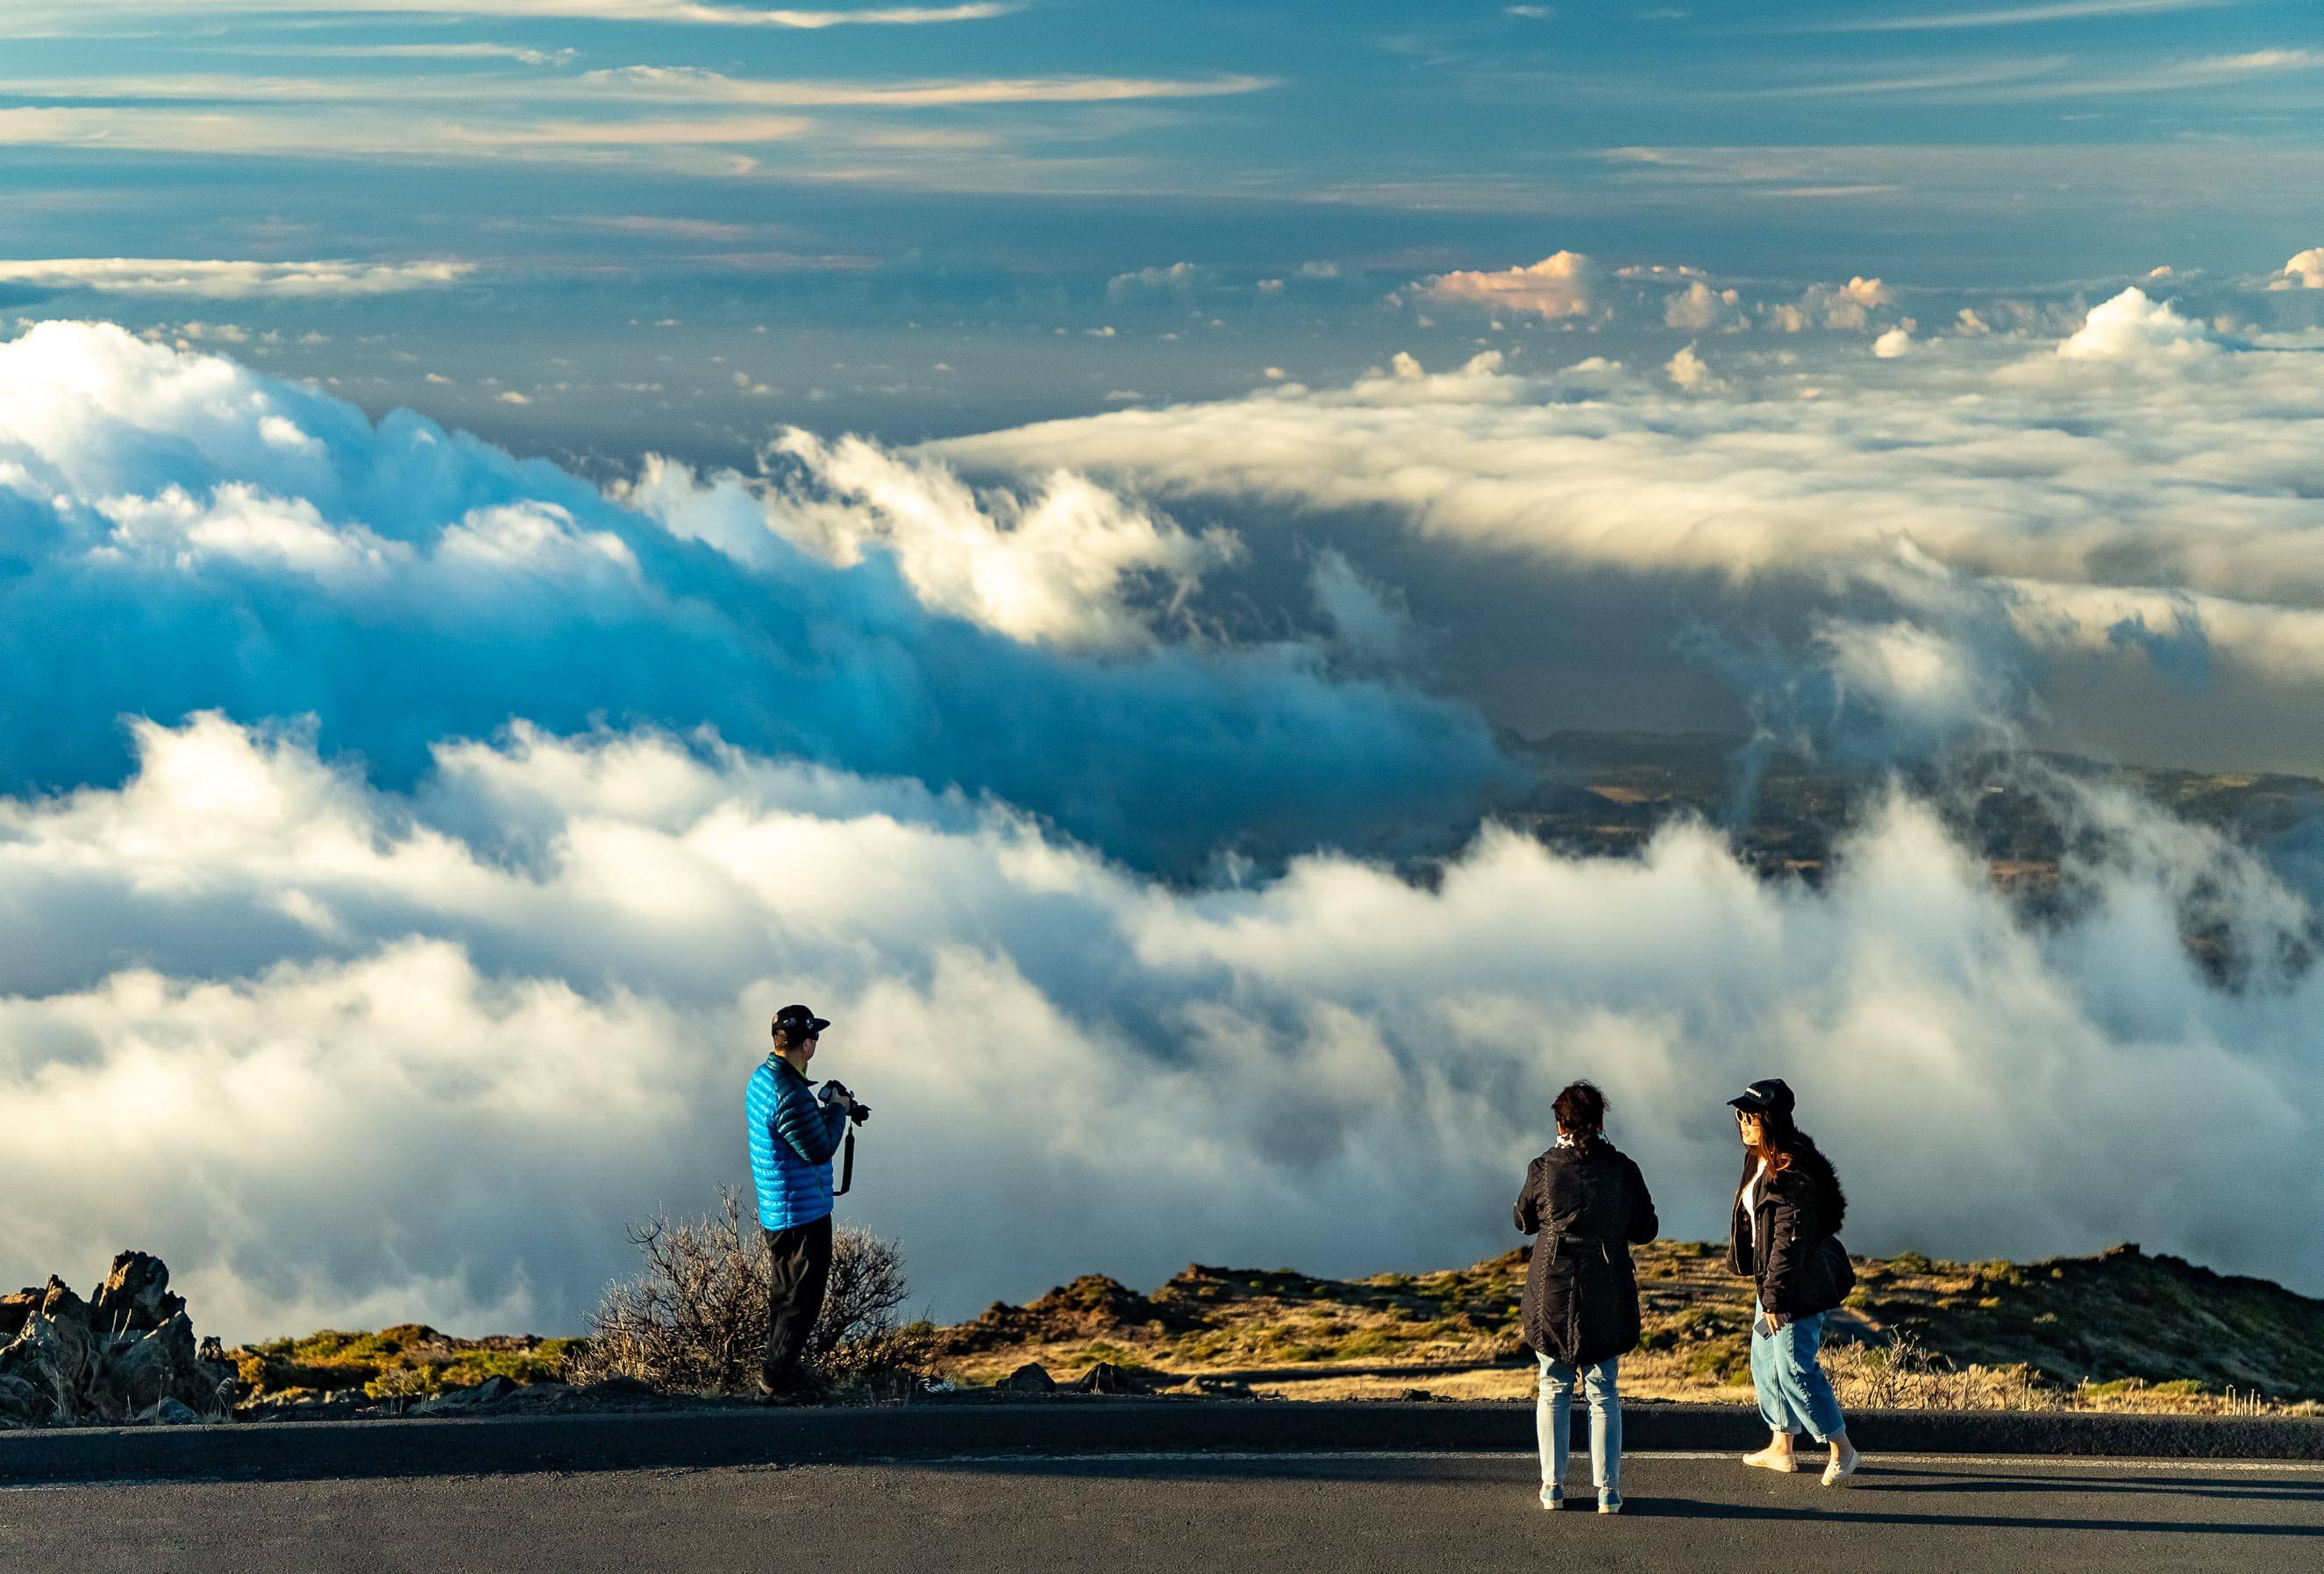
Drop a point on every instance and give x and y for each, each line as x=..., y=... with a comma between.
x=533, y=532
x=599, y=206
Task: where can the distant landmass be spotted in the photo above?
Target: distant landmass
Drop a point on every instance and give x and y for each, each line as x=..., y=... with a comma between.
x=1607, y=794
x=1609, y=791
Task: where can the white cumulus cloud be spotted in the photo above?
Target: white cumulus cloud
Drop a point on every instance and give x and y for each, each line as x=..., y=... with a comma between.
x=1559, y=285
x=2132, y=326
x=2305, y=270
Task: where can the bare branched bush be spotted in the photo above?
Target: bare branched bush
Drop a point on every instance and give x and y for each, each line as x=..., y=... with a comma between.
x=857, y=1339
x=694, y=1320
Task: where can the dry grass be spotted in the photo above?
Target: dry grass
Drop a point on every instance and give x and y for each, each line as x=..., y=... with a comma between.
x=2120, y=1331
x=1904, y=1374
x=408, y=1359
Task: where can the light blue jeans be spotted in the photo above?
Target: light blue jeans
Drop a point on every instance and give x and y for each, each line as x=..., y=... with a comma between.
x=1794, y=1396
x=1553, y=1421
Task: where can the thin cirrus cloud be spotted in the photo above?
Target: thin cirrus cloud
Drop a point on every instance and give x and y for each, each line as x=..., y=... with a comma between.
x=227, y=279
x=706, y=131
x=647, y=84
x=2050, y=77
x=655, y=82
x=1974, y=77
x=400, y=51
x=374, y=129
x=607, y=115
x=2007, y=15
x=689, y=11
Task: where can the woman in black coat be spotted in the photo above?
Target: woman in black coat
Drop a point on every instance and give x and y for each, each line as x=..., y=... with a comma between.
x=1586, y=1205
x=1782, y=1234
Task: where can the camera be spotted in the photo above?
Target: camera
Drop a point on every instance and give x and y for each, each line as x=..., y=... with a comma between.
x=858, y=1111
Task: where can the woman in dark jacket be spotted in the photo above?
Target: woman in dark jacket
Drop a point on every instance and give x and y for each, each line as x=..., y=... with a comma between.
x=1782, y=1234
x=1586, y=1205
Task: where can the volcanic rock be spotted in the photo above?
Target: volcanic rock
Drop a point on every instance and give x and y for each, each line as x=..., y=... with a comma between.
x=14, y=1310
x=491, y=1391
x=162, y=1364
x=1032, y=1378
x=54, y=1358
x=136, y=1296
x=130, y=1355
x=60, y=1304
x=1105, y=1378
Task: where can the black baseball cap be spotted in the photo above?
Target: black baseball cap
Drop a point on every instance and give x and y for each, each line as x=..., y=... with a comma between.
x=1768, y=1096
x=799, y=1022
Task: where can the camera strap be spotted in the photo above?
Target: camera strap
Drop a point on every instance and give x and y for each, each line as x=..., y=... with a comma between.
x=846, y=1164
x=846, y=1158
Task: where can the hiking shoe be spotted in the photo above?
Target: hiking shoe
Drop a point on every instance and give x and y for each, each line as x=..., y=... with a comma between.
x=1553, y=1498
x=1610, y=1502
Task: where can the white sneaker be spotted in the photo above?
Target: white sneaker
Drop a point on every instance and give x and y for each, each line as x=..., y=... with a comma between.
x=1768, y=1460
x=1553, y=1498
x=1610, y=1502
x=1835, y=1474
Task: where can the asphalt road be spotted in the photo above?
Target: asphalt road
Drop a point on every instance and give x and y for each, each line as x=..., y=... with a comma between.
x=1273, y=1514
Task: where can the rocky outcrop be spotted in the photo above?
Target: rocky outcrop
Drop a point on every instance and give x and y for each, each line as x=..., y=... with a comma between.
x=126, y=1357
x=136, y=1296
x=1092, y=1307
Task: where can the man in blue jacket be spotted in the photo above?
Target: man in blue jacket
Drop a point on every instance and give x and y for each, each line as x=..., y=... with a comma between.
x=793, y=1135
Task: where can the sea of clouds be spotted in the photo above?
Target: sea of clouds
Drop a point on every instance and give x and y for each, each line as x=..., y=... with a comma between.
x=404, y=844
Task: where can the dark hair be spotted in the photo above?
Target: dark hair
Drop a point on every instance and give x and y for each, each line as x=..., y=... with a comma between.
x=1580, y=1109
x=1779, y=1140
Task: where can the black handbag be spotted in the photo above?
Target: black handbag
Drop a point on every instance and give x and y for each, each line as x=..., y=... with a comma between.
x=1843, y=1271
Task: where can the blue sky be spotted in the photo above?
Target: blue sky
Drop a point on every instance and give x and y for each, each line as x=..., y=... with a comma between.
x=888, y=190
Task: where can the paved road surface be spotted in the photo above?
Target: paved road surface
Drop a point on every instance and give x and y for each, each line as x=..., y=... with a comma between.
x=1274, y=1515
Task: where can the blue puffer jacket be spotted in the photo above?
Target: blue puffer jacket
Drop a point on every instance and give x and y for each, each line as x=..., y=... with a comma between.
x=793, y=1136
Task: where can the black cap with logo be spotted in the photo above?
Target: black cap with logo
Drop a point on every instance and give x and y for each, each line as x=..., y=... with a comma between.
x=799, y=1022
x=1768, y=1096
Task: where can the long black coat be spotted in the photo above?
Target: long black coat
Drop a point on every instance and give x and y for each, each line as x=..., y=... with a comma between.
x=1585, y=1208
x=1798, y=1216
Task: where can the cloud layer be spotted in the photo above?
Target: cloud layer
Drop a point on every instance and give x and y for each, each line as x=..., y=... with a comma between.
x=2145, y=480
x=182, y=534
x=344, y=1056
x=401, y=844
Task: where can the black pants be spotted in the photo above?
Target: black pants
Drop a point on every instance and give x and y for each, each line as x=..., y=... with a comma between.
x=798, y=1271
